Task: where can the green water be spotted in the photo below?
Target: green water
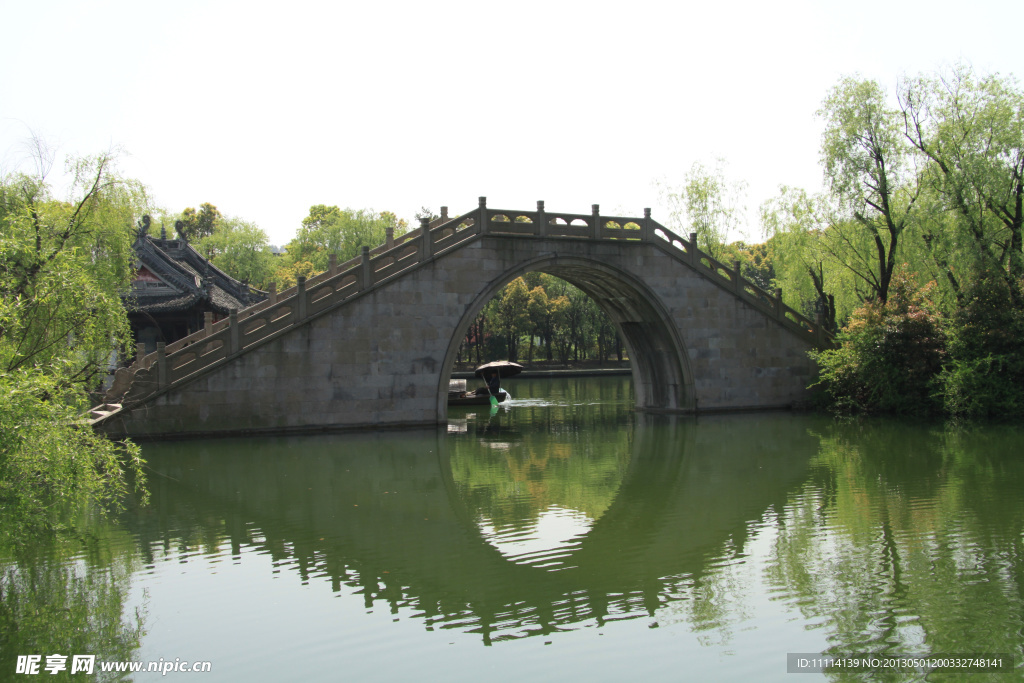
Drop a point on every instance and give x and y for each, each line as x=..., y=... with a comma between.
x=560, y=537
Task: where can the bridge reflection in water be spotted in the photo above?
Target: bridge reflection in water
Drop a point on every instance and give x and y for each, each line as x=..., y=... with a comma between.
x=422, y=520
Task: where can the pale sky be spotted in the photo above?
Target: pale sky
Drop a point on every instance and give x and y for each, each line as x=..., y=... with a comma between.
x=266, y=109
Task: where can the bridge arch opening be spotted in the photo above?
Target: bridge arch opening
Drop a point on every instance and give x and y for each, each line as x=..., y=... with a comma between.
x=662, y=378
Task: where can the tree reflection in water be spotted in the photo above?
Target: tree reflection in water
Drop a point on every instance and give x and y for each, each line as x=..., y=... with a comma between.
x=69, y=594
x=401, y=517
x=909, y=539
x=874, y=536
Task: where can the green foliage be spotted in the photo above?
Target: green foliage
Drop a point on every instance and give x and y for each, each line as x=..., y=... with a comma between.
x=970, y=130
x=756, y=262
x=867, y=164
x=329, y=230
x=813, y=259
x=513, y=315
x=566, y=321
x=242, y=250
x=196, y=225
x=69, y=597
x=63, y=264
x=287, y=273
x=51, y=461
x=708, y=204
x=890, y=354
x=985, y=375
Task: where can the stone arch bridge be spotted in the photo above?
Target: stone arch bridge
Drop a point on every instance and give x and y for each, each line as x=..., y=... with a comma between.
x=372, y=342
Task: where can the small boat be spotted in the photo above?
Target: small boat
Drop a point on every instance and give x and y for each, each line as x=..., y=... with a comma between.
x=459, y=396
x=468, y=398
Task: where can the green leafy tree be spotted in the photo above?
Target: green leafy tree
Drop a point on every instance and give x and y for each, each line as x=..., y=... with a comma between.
x=330, y=230
x=868, y=169
x=708, y=204
x=513, y=315
x=287, y=272
x=196, y=225
x=63, y=265
x=971, y=129
x=242, y=250
x=808, y=257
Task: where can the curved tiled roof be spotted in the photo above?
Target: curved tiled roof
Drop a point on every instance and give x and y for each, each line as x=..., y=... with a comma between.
x=186, y=278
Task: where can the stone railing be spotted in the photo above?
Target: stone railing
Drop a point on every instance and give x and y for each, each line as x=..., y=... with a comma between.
x=217, y=342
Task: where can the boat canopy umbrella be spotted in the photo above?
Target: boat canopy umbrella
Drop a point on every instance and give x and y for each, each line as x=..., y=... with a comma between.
x=504, y=368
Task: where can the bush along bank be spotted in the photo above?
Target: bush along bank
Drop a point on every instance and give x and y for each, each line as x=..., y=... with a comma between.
x=902, y=356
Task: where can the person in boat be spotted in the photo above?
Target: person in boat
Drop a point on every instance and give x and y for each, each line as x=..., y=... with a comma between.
x=493, y=380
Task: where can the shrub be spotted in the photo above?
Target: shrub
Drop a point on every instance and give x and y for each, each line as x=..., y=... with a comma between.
x=889, y=354
x=985, y=373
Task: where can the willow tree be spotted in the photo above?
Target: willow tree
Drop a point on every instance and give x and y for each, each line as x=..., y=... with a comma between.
x=64, y=262
x=869, y=170
x=803, y=262
x=971, y=129
x=63, y=265
x=708, y=204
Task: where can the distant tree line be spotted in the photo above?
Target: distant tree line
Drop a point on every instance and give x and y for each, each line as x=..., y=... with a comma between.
x=539, y=317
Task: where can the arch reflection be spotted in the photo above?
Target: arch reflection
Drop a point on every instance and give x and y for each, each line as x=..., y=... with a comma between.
x=396, y=518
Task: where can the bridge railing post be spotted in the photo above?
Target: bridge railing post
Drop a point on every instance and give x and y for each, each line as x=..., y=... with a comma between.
x=365, y=274
x=235, y=333
x=332, y=265
x=595, y=210
x=737, y=279
x=428, y=248
x=390, y=233
x=778, y=302
x=542, y=218
x=694, y=251
x=482, y=208
x=646, y=234
x=300, y=298
x=272, y=293
x=161, y=365
x=140, y=352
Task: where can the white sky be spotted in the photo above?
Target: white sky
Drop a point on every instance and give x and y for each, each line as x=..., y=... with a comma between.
x=266, y=109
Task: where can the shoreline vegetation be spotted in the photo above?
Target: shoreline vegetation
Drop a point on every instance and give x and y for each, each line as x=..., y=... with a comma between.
x=913, y=254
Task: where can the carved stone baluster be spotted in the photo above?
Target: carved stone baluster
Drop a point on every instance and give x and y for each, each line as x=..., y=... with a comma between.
x=300, y=298
x=365, y=275
x=428, y=249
